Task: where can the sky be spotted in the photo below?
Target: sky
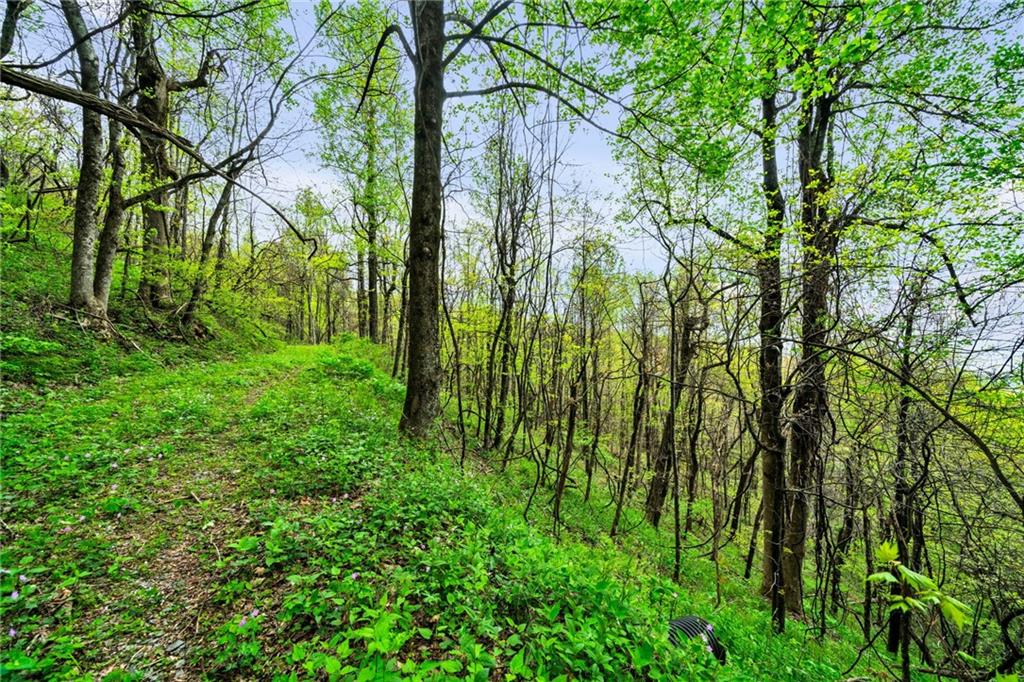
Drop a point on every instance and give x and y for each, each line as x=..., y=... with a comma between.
x=588, y=162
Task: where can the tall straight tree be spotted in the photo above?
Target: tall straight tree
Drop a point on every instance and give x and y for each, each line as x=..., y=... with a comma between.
x=428, y=19
x=423, y=382
x=90, y=172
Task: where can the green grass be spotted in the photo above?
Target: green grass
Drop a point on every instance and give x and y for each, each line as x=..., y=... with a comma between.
x=43, y=346
x=260, y=518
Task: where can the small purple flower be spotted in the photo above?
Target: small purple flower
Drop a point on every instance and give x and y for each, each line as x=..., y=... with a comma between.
x=22, y=579
x=12, y=633
x=710, y=650
x=81, y=517
x=334, y=500
x=113, y=487
x=711, y=628
x=242, y=622
x=14, y=595
x=65, y=530
x=354, y=576
x=254, y=613
x=273, y=491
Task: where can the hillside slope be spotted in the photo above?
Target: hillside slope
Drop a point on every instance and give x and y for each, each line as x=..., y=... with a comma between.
x=259, y=519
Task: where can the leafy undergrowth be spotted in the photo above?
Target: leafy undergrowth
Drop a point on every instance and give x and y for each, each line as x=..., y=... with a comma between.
x=43, y=347
x=260, y=519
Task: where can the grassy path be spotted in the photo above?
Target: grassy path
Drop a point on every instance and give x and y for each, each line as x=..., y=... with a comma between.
x=117, y=501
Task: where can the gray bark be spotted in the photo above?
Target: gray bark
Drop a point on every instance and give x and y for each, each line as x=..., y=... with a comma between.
x=91, y=169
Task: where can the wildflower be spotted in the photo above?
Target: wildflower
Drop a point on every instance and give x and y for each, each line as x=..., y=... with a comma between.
x=22, y=579
x=113, y=487
x=355, y=575
x=65, y=530
x=711, y=628
x=81, y=517
x=113, y=465
x=710, y=650
x=14, y=595
x=255, y=613
x=12, y=633
x=273, y=491
x=242, y=622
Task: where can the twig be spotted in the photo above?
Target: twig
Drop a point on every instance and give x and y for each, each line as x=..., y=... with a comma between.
x=216, y=548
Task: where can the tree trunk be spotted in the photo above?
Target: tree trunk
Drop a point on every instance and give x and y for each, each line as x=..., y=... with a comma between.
x=403, y=313
x=899, y=621
x=154, y=104
x=693, y=466
x=570, y=434
x=372, y=228
x=639, y=410
x=810, y=400
x=361, y=293
x=218, y=217
x=845, y=536
x=424, y=378
x=91, y=171
x=682, y=349
x=111, y=220
x=772, y=441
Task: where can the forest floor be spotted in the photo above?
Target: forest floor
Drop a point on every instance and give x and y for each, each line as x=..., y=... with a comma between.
x=259, y=519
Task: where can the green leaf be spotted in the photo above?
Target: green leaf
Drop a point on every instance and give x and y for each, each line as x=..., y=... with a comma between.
x=518, y=663
x=643, y=656
x=451, y=665
x=954, y=610
x=332, y=666
x=882, y=577
x=247, y=544
x=918, y=581
x=887, y=553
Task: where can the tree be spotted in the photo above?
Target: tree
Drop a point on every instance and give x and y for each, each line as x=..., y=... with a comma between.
x=430, y=65
x=90, y=171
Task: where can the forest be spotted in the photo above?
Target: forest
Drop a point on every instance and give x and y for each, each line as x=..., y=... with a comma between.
x=452, y=339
